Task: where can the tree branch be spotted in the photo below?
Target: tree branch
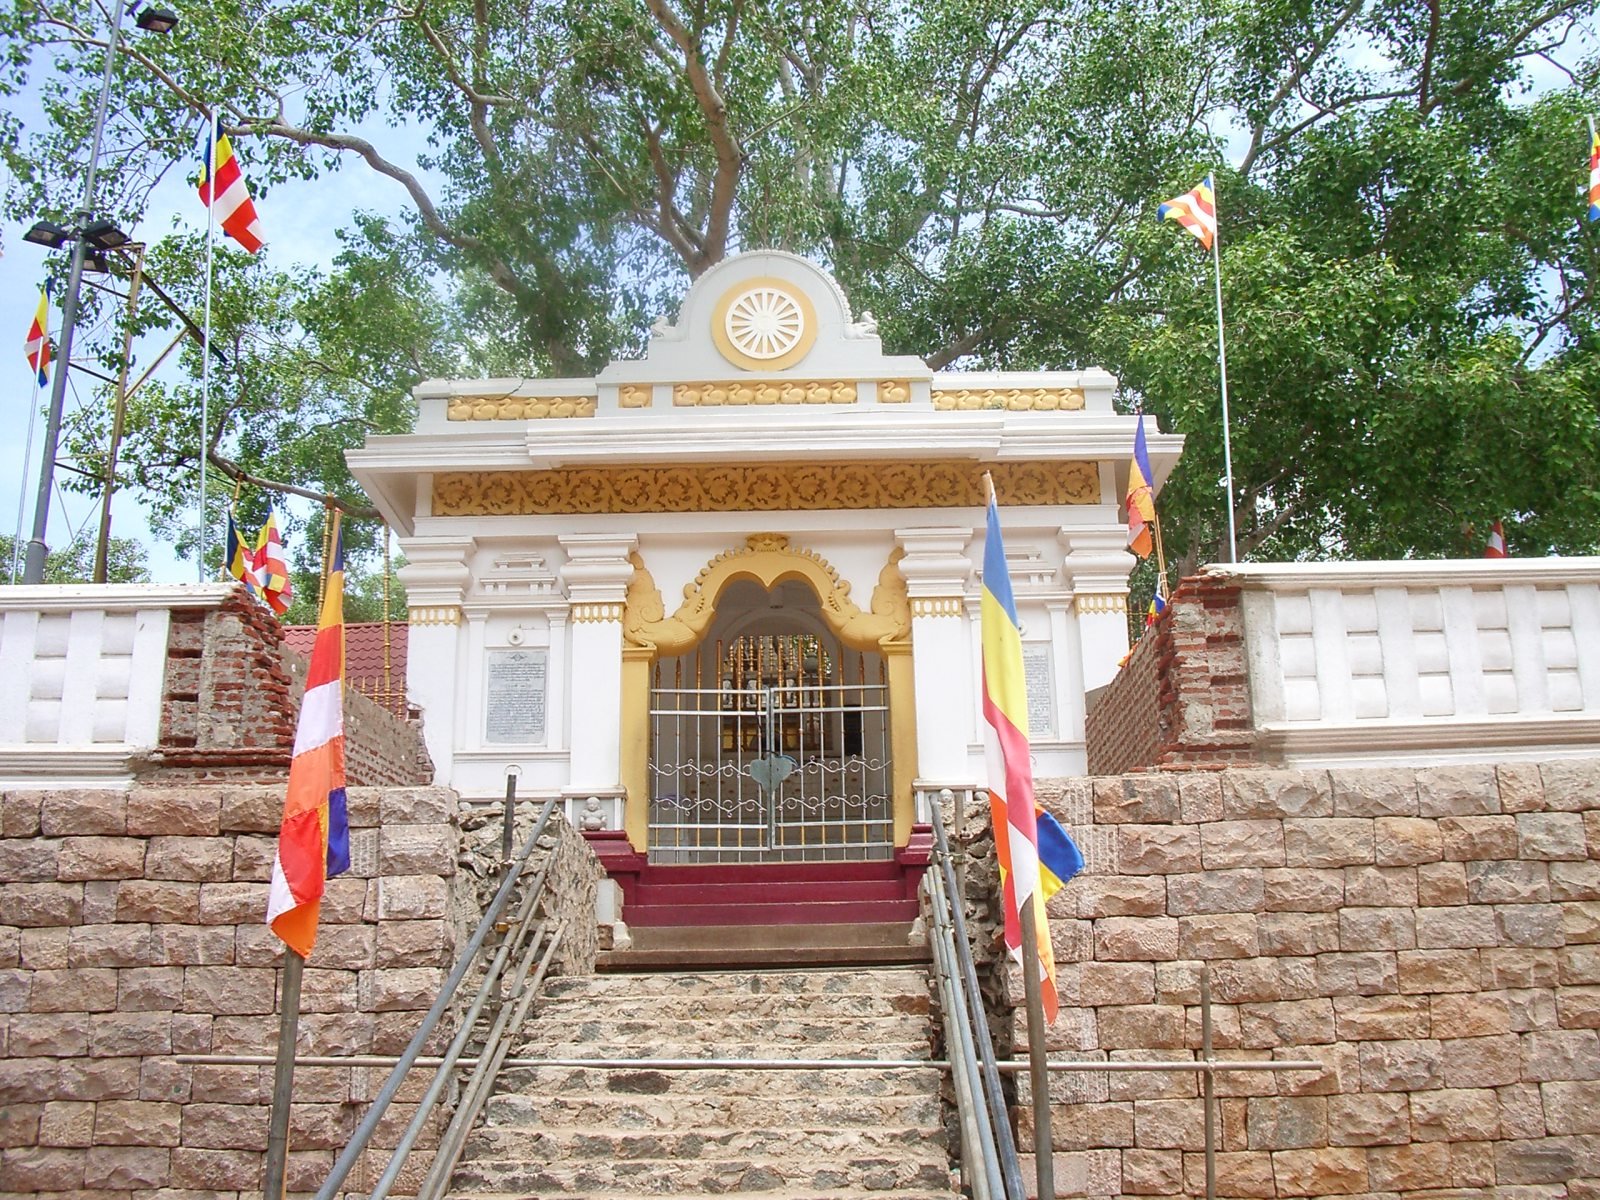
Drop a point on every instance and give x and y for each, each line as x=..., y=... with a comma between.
x=239, y=475
x=1286, y=87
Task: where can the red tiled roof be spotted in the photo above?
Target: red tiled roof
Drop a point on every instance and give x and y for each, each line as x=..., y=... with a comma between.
x=363, y=657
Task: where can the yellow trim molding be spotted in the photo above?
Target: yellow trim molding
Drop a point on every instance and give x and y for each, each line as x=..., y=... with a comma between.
x=518, y=408
x=433, y=615
x=1009, y=399
x=776, y=487
x=938, y=606
x=596, y=612
x=748, y=391
x=1100, y=602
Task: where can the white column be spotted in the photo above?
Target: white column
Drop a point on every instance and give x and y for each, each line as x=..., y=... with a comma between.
x=596, y=576
x=470, y=728
x=555, y=709
x=1096, y=568
x=1068, y=672
x=435, y=576
x=936, y=569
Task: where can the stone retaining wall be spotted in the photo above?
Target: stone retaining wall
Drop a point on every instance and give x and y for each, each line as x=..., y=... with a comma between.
x=131, y=931
x=1431, y=934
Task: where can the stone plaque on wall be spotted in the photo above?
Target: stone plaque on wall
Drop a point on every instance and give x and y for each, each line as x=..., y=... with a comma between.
x=1041, y=690
x=514, y=709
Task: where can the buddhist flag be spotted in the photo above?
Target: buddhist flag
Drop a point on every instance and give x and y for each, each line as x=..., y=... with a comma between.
x=272, y=568
x=1496, y=547
x=235, y=211
x=1141, y=499
x=1594, y=174
x=314, y=840
x=238, y=560
x=1195, y=210
x=37, y=346
x=1011, y=806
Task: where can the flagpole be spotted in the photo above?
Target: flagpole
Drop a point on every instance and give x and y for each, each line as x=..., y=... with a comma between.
x=205, y=351
x=27, y=458
x=283, y=1077
x=1033, y=998
x=1222, y=362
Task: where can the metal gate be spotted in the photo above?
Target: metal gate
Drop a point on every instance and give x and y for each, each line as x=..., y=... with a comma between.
x=770, y=774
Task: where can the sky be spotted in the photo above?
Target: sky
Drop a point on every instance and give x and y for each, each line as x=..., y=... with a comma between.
x=300, y=220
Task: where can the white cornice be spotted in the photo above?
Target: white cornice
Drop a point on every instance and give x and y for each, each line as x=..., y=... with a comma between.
x=1448, y=739
x=113, y=597
x=1450, y=572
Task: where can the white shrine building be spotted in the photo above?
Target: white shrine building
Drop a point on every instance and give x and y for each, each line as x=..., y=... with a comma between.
x=725, y=597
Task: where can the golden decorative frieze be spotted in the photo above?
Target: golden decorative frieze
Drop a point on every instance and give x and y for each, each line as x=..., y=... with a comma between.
x=438, y=614
x=1009, y=399
x=774, y=487
x=635, y=395
x=518, y=408
x=742, y=392
x=894, y=391
x=937, y=606
x=1100, y=602
x=591, y=613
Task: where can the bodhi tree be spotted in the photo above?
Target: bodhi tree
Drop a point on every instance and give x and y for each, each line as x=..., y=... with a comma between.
x=1408, y=283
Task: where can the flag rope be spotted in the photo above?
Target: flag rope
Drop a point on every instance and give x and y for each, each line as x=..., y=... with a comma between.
x=27, y=463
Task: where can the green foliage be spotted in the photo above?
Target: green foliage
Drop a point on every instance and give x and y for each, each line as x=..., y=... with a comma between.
x=1409, y=289
x=74, y=562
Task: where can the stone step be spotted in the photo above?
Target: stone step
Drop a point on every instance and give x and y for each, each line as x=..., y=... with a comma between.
x=741, y=1031
x=866, y=981
x=636, y=1082
x=522, y=1148
x=736, y=914
x=794, y=1050
x=738, y=1174
x=734, y=1003
x=848, y=1107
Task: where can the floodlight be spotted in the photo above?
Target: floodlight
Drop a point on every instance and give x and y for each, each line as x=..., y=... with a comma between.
x=156, y=20
x=104, y=235
x=47, y=234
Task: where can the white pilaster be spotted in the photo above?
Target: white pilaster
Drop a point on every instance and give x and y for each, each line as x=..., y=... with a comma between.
x=556, y=709
x=435, y=576
x=596, y=576
x=1096, y=567
x=936, y=569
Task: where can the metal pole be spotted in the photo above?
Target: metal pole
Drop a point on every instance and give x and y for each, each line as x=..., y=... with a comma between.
x=205, y=357
x=1210, y=1082
x=33, y=570
x=1043, y=1143
x=119, y=409
x=508, y=819
x=1222, y=363
x=283, y=1077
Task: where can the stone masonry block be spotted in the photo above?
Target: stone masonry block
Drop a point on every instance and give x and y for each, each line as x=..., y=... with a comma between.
x=1273, y=795
x=1401, y=1066
x=1102, y=983
x=1300, y=890
x=1524, y=967
x=52, y=1035
x=1094, y=896
x=1551, y=836
x=1454, y=1114
x=250, y=810
x=415, y=806
x=1287, y=1023
x=1199, y=798
x=1538, y=1160
x=1146, y=799
x=29, y=860
x=1537, y=925
x=1381, y=1017
x=1579, y=1007
x=127, y=945
x=1136, y=1026
x=1407, y=841
x=1521, y=787
x=32, y=1169
x=253, y=855
x=1168, y=1124
x=1374, y=792
x=160, y=901
x=65, y=1123
x=1470, y=1015
x=1330, y=1171
x=19, y=814
x=1136, y=939
x=1377, y=929
x=1580, y=921
x=83, y=811
x=1157, y=849
x=136, y=1123
x=1296, y=933
x=1570, y=785
x=400, y=989
x=421, y=897
x=223, y=1127
x=1457, y=791
x=417, y=850
x=193, y=859
x=1412, y=1168
x=1328, y=842
x=1218, y=936
x=1571, y=1106
x=1225, y=845
x=83, y=858
x=1564, y=1054
x=1441, y=884
x=86, y=990
x=232, y=903
x=1482, y=1061
x=1365, y=973
x=1456, y=928
x=1152, y=1172
x=1521, y=1111
x=1507, y=882
x=1241, y=891
x=229, y=990
x=1287, y=1122
x=1481, y=837
x=1246, y=1174
x=173, y=812
x=1369, y=1119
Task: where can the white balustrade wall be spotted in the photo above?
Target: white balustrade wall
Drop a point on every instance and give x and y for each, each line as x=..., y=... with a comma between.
x=1351, y=663
x=81, y=675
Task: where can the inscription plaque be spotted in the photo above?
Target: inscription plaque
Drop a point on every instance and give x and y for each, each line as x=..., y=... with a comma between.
x=516, y=686
x=1040, y=683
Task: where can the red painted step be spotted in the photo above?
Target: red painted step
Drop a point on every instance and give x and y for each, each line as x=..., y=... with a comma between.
x=772, y=894
x=779, y=912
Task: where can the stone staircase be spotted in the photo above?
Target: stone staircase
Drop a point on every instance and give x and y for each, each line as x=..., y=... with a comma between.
x=570, y=1131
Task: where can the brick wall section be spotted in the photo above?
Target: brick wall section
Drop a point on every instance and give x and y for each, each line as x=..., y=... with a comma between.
x=1183, y=700
x=1431, y=934
x=133, y=932
x=232, y=697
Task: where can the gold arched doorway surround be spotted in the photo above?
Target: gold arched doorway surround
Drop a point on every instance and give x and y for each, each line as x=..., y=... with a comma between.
x=768, y=559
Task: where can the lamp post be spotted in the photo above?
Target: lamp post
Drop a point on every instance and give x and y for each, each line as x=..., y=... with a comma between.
x=87, y=232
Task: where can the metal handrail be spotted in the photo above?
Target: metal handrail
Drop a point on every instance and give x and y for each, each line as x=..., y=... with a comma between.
x=380, y=1104
x=986, y=1127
